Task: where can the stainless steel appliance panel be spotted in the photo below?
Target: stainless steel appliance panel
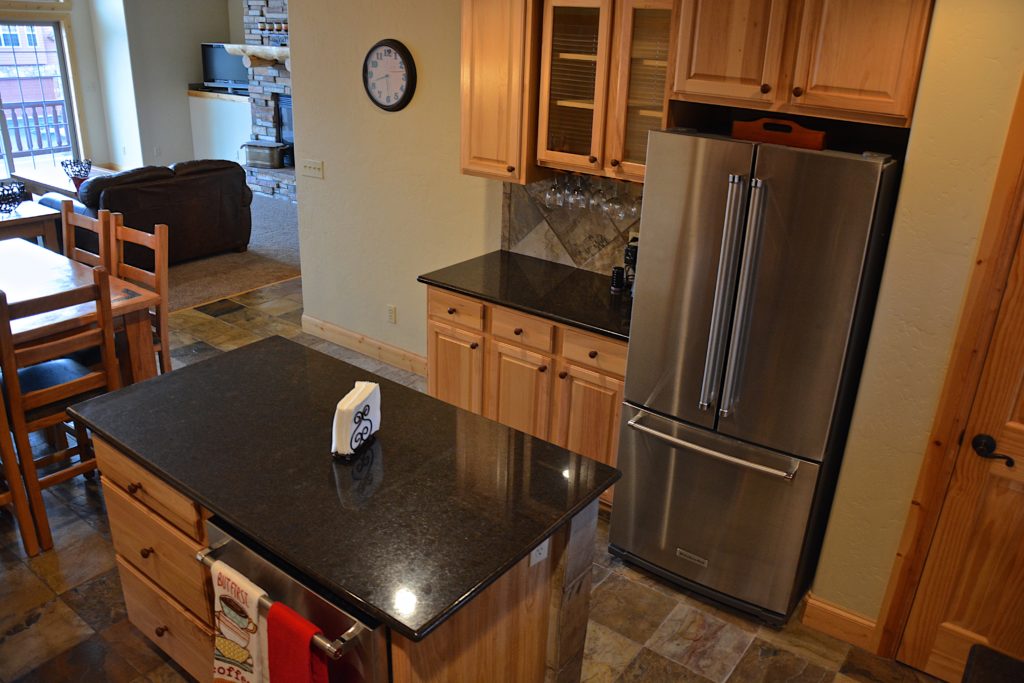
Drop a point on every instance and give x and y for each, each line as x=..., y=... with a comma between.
x=693, y=213
x=810, y=220
x=723, y=514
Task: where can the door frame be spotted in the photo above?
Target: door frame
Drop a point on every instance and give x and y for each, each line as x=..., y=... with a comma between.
x=997, y=247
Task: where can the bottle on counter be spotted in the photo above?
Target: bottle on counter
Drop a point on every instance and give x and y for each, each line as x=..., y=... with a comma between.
x=629, y=259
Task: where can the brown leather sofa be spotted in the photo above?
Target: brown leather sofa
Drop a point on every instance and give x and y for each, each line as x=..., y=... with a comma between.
x=204, y=203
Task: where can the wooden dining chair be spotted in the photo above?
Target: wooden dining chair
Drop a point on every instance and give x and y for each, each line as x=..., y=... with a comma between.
x=40, y=382
x=99, y=226
x=14, y=495
x=155, y=280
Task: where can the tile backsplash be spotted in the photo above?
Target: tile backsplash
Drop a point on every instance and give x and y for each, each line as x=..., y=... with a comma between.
x=582, y=238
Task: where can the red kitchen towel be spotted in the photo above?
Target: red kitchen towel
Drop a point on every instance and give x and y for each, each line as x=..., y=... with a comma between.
x=290, y=644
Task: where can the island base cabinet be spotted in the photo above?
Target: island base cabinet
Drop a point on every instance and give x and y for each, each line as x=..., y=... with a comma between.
x=180, y=635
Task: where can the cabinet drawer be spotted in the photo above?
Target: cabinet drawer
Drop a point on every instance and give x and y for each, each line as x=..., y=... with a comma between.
x=158, y=550
x=597, y=352
x=150, y=490
x=174, y=630
x=522, y=329
x=455, y=309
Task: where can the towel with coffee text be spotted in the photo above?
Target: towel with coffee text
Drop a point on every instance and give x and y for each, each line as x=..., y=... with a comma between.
x=241, y=633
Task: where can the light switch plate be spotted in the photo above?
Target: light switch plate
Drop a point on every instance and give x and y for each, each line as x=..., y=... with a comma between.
x=313, y=168
x=540, y=553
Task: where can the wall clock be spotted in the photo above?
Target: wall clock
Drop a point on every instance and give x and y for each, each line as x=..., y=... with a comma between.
x=389, y=75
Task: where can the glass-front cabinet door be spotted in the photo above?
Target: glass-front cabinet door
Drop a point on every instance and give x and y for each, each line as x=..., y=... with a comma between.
x=574, y=80
x=636, y=102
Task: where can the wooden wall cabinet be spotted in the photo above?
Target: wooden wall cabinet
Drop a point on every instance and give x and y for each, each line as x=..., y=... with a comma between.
x=552, y=381
x=499, y=89
x=857, y=60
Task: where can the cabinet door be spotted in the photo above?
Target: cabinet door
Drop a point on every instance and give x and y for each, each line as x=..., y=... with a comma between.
x=860, y=55
x=498, y=86
x=574, y=83
x=455, y=366
x=730, y=49
x=519, y=390
x=636, y=102
x=586, y=416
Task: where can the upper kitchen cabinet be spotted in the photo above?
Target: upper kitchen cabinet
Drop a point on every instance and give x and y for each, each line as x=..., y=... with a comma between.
x=859, y=56
x=636, y=100
x=499, y=88
x=574, y=83
x=730, y=48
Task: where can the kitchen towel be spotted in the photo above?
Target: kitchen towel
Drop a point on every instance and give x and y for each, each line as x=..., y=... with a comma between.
x=291, y=656
x=241, y=633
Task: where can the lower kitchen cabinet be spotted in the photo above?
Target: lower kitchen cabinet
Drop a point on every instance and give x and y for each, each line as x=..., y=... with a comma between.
x=519, y=389
x=457, y=357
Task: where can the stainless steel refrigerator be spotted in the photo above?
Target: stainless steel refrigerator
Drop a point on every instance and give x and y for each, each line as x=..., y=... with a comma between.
x=757, y=277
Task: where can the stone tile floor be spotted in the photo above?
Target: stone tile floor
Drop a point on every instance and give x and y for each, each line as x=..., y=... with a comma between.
x=62, y=617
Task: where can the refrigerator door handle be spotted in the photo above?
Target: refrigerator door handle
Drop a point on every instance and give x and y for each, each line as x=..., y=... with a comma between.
x=741, y=317
x=724, y=285
x=674, y=441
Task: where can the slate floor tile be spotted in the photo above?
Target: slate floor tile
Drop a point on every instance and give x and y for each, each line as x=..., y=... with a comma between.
x=701, y=642
x=44, y=633
x=628, y=608
x=138, y=650
x=650, y=667
x=814, y=646
x=99, y=601
x=606, y=654
x=21, y=592
x=864, y=667
x=193, y=353
x=766, y=663
x=88, y=661
x=219, y=307
x=71, y=565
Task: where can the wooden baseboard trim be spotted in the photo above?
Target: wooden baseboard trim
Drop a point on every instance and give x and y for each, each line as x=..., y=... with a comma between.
x=838, y=622
x=374, y=348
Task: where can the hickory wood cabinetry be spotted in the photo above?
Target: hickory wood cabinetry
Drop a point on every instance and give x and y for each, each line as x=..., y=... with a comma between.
x=849, y=59
x=546, y=379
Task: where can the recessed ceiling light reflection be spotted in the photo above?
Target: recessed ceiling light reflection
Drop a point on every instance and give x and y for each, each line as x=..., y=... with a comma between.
x=565, y=473
x=405, y=601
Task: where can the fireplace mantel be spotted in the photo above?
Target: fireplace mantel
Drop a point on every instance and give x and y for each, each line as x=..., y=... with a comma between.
x=260, y=55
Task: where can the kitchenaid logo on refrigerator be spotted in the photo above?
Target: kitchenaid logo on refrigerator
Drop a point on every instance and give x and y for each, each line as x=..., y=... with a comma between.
x=690, y=557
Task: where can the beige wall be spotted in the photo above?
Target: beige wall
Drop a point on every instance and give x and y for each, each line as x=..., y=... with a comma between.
x=972, y=70
x=392, y=204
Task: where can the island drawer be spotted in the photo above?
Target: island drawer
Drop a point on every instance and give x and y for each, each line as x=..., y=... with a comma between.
x=159, y=551
x=522, y=329
x=455, y=309
x=150, y=490
x=174, y=630
x=597, y=352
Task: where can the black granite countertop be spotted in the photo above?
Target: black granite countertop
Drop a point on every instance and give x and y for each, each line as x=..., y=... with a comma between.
x=406, y=535
x=573, y=296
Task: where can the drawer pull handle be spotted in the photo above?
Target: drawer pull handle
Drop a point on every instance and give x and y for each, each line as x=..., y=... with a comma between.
x=146, y=552
x=542, y=368
x=451, y=310
x=563, y=374
x=518, y=331
x=615, y=163
x=765, y=88
x=160, y=631
x=592, y=159
x=798, y=91
x=592, y=354
x=134, y=488
x=510, y=168
x=474, y=346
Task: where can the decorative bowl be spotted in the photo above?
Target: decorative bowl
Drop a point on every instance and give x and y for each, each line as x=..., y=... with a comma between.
x=11, y=196
x=77, y=169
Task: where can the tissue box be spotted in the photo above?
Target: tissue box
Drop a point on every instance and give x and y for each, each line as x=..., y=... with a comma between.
x=356, y=418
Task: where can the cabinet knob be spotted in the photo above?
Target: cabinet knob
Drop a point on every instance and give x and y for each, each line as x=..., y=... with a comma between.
x=563, y=374
x=134, y=488
x=615, y=162
x=474, y=346
x=765, y=88
x=451, y=310
x=592, y=159
x=146, y=552
x=592, y=354
x=518, y=331
x=510, y=169
x=160, y=631
x=798, y=91
x=542, y=368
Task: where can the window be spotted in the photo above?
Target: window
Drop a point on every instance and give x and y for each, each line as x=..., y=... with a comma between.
x=37, y=126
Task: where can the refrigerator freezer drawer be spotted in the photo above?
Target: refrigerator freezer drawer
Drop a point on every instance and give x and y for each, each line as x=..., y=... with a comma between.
x=718, y=512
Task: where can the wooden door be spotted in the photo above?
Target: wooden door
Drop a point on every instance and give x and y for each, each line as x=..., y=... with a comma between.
x=519, y=390
x=586, y=414
x=455, y=366
x=498, y=86
x=636, y=102
x=860, y=55
x=574, y=83
x=970, y=591
x=730, y=49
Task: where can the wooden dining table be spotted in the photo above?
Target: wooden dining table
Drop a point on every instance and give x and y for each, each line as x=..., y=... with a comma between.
x=28, y=271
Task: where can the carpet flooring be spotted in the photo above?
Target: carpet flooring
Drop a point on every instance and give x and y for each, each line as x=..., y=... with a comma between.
x=273, y=256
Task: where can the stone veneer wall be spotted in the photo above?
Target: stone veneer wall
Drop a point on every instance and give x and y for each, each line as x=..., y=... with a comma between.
x=266, y=82
x=583, y=239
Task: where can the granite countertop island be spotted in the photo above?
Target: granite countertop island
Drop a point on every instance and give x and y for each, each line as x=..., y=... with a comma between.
x=573, y=296
x=456, y=500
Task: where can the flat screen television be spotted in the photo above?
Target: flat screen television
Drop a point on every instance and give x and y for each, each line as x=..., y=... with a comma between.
x=220, y=68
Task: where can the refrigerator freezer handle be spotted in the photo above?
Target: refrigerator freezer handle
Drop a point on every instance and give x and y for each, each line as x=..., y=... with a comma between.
x=679, y=443
x=724, y=284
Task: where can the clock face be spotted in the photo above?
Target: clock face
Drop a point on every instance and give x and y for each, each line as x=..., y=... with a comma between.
x=389, y=75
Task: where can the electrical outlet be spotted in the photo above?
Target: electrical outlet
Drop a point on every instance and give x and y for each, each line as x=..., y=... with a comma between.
x=313, y=168
x=540, y=553
x=393, y=314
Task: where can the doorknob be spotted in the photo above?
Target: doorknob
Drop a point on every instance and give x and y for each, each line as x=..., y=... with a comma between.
x=985, y=446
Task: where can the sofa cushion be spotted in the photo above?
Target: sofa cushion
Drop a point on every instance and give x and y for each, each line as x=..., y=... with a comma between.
x=92, y=188
x=202, y=166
